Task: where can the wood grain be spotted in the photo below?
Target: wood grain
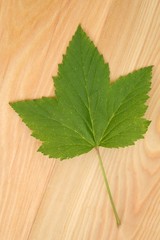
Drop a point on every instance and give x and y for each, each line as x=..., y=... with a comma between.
x=44, y=199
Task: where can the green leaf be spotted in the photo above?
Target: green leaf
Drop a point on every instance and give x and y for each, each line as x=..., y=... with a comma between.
x=88, y=111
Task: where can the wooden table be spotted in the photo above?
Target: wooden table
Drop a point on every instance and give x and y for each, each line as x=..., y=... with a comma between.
x=45, y=199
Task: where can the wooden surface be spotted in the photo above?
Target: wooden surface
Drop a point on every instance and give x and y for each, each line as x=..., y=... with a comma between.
x=45, y=199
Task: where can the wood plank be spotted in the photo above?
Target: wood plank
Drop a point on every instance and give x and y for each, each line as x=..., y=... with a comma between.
x=42, y=198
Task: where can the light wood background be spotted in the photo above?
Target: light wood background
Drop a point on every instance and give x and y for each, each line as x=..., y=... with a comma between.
x=45, y=199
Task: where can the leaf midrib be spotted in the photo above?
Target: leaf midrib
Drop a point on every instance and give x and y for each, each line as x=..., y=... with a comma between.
x=66, y=126
x=86, y=89
x=115, y=113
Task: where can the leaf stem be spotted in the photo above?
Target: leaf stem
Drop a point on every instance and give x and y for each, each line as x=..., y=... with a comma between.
x=107, y=186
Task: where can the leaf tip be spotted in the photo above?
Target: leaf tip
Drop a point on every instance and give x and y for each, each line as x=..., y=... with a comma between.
x=79, y=28
x=13, y=105
x=149, y=71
